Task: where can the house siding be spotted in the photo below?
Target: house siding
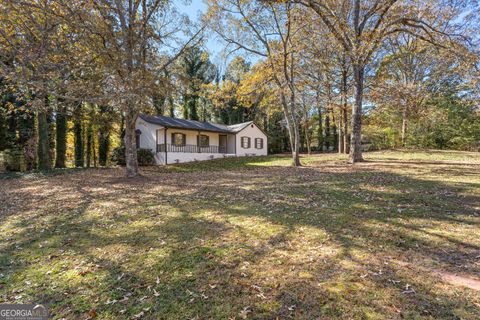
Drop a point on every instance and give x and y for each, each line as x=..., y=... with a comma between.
x=148, y=138
x=179, y=157
x=151, y=134
x=253, y=132
x=231, y=143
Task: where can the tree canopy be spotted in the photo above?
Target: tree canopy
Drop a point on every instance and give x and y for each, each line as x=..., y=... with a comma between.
x=322, y=76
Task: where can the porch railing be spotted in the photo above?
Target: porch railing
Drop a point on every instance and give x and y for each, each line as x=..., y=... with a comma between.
x=190, y=148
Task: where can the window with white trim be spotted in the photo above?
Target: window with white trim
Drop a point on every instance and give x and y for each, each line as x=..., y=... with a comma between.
x=203, y=141
x=179, y=139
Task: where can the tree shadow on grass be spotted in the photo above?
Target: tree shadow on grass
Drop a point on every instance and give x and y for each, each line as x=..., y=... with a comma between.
x=202, y=243
x=79, y=275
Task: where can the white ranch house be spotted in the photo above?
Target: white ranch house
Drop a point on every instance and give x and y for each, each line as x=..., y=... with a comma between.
x=177, y=140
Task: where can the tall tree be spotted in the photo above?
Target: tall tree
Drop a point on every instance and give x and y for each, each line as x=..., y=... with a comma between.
x=127, y=37
x=361, y=28
x=267, y=31
x=78, y=135
x=43, y=144
x=61, y=135
x=411, y=74
x=104, y=122
x=90, y=144
x=224, y=95
x=31, y=35
x=344, y=89
x=195, y=71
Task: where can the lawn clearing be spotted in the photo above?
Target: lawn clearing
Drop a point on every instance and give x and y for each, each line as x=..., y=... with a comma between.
x=396, y=237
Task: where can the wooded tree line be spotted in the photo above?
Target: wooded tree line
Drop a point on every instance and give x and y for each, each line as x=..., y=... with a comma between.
x=339, y=76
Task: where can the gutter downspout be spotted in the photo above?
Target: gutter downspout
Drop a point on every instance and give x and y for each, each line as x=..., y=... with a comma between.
x=199, y=149
x=165, y=142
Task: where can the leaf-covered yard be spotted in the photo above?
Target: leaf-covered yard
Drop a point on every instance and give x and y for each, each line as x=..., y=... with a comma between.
x=396, y=237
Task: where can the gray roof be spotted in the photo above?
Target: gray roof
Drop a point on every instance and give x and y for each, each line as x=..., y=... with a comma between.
x=193, y=125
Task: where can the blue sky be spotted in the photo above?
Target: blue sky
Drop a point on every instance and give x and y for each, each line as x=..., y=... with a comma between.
x=194, y=8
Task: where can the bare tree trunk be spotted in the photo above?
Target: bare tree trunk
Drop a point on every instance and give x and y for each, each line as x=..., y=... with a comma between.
x=78, y=134
x=356, y=137
x=320, y=129
x=341, y=147
x=89, y=143
x=293, y=132
x=334, y=131
x=296, y=149
x=94, y=153
x=131, y=143
x=320, y=124
x=344, y=107
x=306, y=128
x=296, y=129
x=61, y=136
x=307, y=138
x=404, y=125
x=131, y=114
x=327, y=130
x=43, y=145
x=345, y=128
x=294, y=142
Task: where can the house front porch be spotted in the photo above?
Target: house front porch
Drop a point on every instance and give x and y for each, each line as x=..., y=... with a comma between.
x=175, y=140
x=178, y=146
x=190, y=148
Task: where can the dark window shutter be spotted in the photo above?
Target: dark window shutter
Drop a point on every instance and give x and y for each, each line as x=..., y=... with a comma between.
x=258, y=143
x=245, y=142
x=184, y=139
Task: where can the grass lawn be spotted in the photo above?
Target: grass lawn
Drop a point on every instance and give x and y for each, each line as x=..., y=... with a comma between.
x=396, y=237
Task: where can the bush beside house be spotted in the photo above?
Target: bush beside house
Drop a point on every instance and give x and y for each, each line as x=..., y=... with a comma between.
x=145, y=156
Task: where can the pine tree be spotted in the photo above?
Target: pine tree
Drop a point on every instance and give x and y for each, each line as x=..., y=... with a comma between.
x=89, y=143
x=78, y=136
x=43, y=145
x=320, y=128
x=61, y=137
x=51, y=136
x=103, y=147
x=104, y=128
x=335, y=133
x=327, y=131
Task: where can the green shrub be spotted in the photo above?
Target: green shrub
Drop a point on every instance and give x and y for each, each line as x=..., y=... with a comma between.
x=377, y=138
x=118, y=156
x=145, y=156
x=14, y=160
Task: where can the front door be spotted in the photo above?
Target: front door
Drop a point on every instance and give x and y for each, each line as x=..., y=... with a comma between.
x=222, y=144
